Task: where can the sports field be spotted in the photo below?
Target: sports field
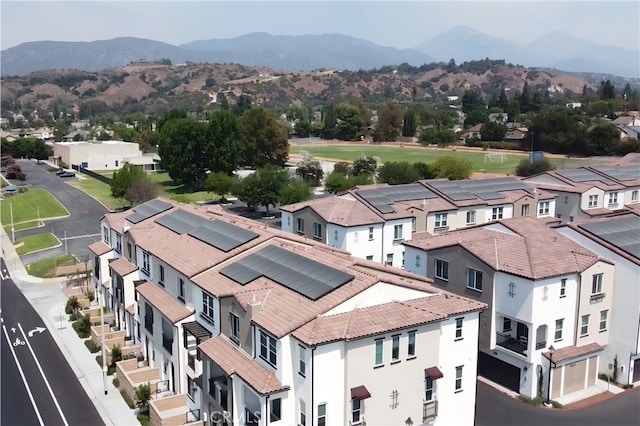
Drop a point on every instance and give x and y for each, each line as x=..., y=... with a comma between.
x=31, y=205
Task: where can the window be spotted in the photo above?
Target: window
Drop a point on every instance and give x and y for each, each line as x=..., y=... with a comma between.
x=322, y=414
x=395, y=348
x=207, y=305
x=105, y=233
x=441, y=220
x=129, y=251
x=371, y=233
x=570, y=218
x=474, y=279
x=566, y=199
x=442, y=269
x=235, y=326
x=411, y=348
x=584, y=327
x=317, y=231
x=603, y=320
x=300, y=226
x=356, y=410
x=563, y=287
x=459, y=378
x=275, y=411
x=370, y=257
x=181, y=289
x=544, y=208
x=497, y=213
x=613, y=198
x=634, y=196
x=389, y=259
x=303, y=413
x=596, y=284
x=428, y=389
x=119, y=243
x=525, y=210
x=145, y=262
x=459, y=322
x=161, y=273
x=302, y=353
x=593, y=201
x=471, y=217
x=559, y=325
x=506, y=324
x=379, y=354
x=397, y=232
x=268, y=351
x=413, y=224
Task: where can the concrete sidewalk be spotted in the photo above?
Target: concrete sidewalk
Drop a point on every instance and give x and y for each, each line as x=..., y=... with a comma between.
x=47, y=298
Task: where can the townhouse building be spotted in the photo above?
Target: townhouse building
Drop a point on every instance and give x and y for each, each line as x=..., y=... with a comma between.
x=372, y=221
x=617, y=238
x=246, y=324
x=548, y=298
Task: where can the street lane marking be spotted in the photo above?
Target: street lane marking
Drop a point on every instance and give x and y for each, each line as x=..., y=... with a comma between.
x=24, y=379
x=36, y=330
x=46, y=382
x=80, y=236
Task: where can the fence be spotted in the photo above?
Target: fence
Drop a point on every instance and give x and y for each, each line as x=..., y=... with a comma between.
x=91, y=173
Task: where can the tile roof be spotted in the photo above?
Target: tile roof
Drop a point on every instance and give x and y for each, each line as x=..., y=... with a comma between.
x=99, y=248
x=373, y=320
x=338, y=210
x=170, y=307
x=122, y=267
x=532, y=251
x=571, y=352
x=232, y=360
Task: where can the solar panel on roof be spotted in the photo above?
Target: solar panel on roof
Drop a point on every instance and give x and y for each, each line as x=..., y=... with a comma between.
x=222, y=235
x=382, y=198
x=181, y=221
x=621, y=173
x=582, y=175
x=489, y=195
x=623, y=233
x=147, y=210
x=304, y=276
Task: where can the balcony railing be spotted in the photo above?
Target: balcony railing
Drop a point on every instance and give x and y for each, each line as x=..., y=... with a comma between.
x=509, y=342
x=148, y=324
x=429, y=410
x=167, y=343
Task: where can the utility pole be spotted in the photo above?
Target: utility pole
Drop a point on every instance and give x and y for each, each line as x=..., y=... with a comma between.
x=65, y=242
x=104, y=352
x=533, y=135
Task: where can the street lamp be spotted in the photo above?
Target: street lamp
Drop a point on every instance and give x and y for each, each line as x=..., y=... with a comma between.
x=551, y=350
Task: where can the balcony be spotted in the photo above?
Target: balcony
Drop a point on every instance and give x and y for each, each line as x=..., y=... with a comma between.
x=132, y=374
x=511, y=343
x=167, y=343
x=173, y=411
x=429, y=410
x=218, y=390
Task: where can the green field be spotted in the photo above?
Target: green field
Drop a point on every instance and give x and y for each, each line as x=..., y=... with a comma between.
x=22, y=226
x=36, y=242
x=100, y=191
x=413, y=155
x=46, y=268
x=31, y=205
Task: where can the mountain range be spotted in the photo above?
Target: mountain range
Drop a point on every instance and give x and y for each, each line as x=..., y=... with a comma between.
x=327, y=51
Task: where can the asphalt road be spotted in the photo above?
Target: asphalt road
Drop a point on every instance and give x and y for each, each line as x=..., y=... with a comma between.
x=494, y=408
x=82, y=227
x=37, y=386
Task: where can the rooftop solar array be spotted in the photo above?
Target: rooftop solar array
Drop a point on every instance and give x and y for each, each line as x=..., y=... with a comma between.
x=147, y=210
x=222, y=235
x=621, y=173
x=623, y=233
x=181, y=221
x=382, y=198
x=484, y=189
x=584, y=175
x=304, y=276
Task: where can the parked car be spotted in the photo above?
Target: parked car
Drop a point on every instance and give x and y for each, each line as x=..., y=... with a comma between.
x=61, y=171
x=67, y=174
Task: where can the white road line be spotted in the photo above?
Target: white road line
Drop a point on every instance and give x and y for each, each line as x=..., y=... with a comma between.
x=80, y=236
x=24, y=380
x=46, y=382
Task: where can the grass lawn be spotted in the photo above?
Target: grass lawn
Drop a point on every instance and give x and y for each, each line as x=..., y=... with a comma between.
x=30, y=205
x=412, y=155
x=45, y=268
x=100, y=191
x=22, y=226
x=36, y=242
x=176, y=191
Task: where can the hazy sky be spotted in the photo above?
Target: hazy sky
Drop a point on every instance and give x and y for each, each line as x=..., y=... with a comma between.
x=388, y=23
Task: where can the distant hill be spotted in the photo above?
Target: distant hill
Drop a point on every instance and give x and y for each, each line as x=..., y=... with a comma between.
x=326, y=51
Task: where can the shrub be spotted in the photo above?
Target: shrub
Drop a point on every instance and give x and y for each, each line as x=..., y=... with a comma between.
x=93, y=348
x=144, y=419
x=127, y=399
x=142, y=397
x=116, y=382
x=82, y=327
x=90, y=295
x=72, y=305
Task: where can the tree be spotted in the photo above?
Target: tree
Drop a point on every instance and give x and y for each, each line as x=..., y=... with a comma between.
x=266, y=138
x=141, y=191
x=350, y=122
x=310, y=171
x=224, y=147
x=493, y=131
x=367, y=166
x=337, y=182
x=295, y=191
x=452, y=168
x=171, y=115
x=389, y=123
x=395, y=173
x=344, y=168
x=220, y=183
x=41, y=151
x=472, y=99
x=263, y=187
x=607, y=90
x=142, y=397
x=14, y=171
x=603, y=139
x=528, y=168
x=476, y=116
x=409, y=124
x=124, y=178
x=243, y=104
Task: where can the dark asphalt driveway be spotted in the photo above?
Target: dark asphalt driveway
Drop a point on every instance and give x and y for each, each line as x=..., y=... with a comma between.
x=85, y=212
x=493, y=408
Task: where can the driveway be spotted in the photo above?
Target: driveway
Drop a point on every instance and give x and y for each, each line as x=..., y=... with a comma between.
x=82, y=227
x=494, y=408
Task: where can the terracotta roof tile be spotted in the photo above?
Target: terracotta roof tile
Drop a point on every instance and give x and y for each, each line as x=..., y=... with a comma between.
x=232, y=360
x=338, y=210
x=571, y=352
x=122, y=267
x=99, y=248
x=131, y=309
x=170, y=307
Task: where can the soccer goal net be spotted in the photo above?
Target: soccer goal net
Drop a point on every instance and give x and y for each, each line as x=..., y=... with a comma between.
x=495, y=158
x=317, y=142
